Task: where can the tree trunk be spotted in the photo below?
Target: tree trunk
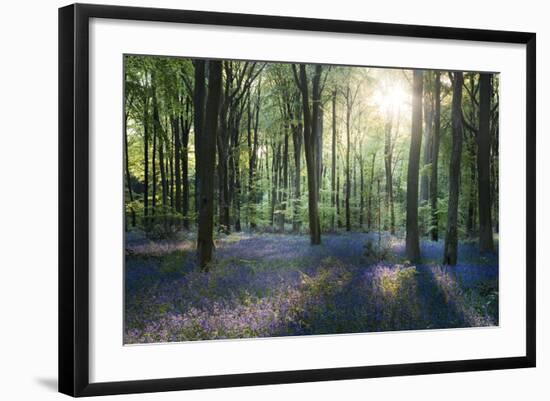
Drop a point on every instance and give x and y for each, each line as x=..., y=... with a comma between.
x=223, y=173
x=412, y=241
x=388, y=164
x=297, y=142
x=369, y=202
x=470, y=220
x=170, y=164
x=284, y=197
x=310, y=122
x=483, y=165
x=435, y=156
x=199, y=95
x=338, y=222
x=348, y=144
x=154, y=161
x=128, y=177
x=333, y=164
x=160, y=148
x=146, y=162
x=451, y=238
x=252, y=138
x=274, y=182
x=319, y=144
x=177, y=158
x=206, y=160
x=362, y=192
x=427, y=156
x=185, y=127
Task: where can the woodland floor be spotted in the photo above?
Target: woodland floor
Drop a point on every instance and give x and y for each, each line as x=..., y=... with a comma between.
x=265, y=285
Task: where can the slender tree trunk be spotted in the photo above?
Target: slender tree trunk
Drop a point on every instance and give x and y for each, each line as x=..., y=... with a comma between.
x=310, y=122
x=223, y=173
x=160, y=149
x=237, y=199
x=388, y=164
x=427, y=155
x=348, y=144
x=435, y=156
x=128, y=177
x=146, y=162
x=494, y=161
x=319, y=144
x=339, y=222
x=185, y=127
x=483, y=165
x=163, y=181
x=177, y=159
x=412, y=240
x=333, y=164
x=369, y=207
x=274, y=181
x=170, y=165
x=316, y=141
x=154, y=163
x=451, y=238
x=285, y=181
x=379, y=214
x=207, y=160
x=297, y=142
x=199, y=95
x=470, y=221
x=235, y=166
x=362, y=192
x=252, y=137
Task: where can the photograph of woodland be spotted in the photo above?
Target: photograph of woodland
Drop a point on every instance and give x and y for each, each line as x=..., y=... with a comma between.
x=275, y=199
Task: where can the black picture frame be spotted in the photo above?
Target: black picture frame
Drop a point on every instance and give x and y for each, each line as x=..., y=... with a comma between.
x=74, y=198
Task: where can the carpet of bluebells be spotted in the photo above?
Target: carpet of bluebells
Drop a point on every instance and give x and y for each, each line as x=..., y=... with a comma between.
x=265, y=285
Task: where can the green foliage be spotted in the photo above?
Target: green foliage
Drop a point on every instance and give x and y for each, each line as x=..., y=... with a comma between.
x=382, y=103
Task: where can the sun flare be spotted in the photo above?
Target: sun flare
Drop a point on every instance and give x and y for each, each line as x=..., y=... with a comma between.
x=391, y=98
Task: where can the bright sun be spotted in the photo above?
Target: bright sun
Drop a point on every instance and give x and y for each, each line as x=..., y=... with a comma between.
x=392, y=98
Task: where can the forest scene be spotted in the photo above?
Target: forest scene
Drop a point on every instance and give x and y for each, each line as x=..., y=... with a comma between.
x=268, y=199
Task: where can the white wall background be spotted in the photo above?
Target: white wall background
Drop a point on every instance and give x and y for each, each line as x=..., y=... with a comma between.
x=28, y=200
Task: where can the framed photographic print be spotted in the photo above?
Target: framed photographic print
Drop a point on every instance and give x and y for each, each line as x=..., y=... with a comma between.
x=249, y=199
